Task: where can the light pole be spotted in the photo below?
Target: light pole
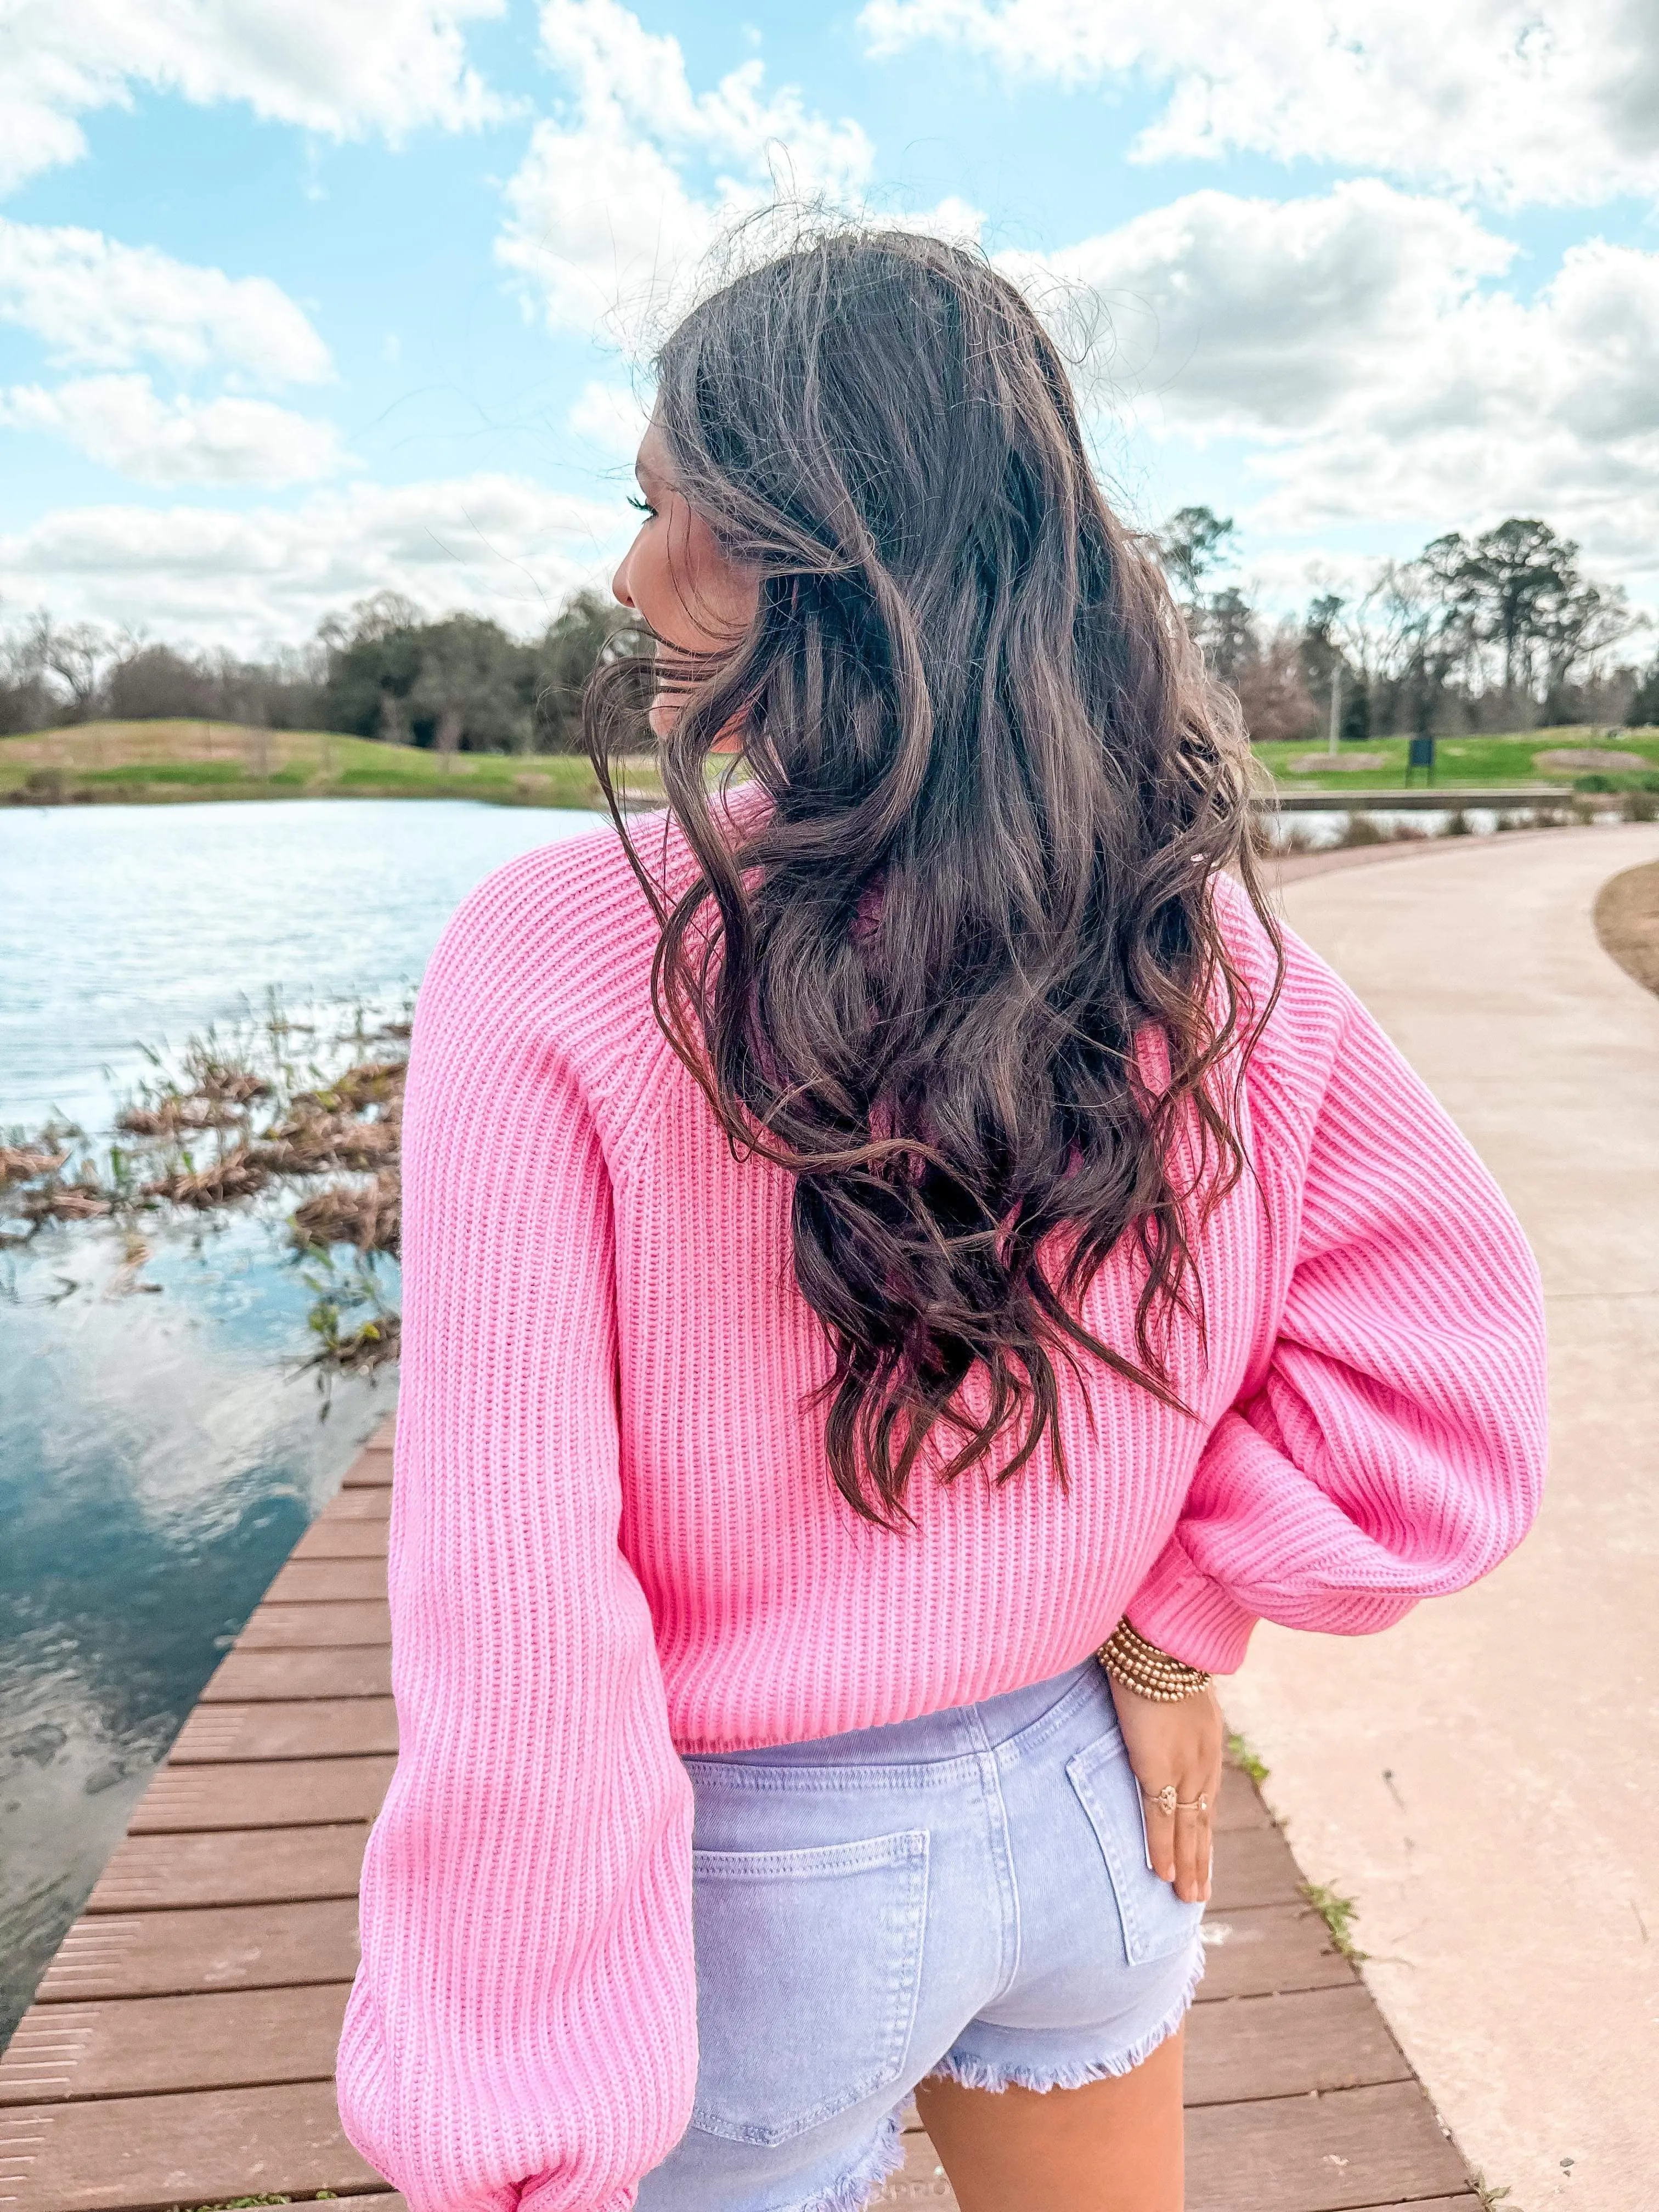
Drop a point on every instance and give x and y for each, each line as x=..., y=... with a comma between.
x=1336, y=707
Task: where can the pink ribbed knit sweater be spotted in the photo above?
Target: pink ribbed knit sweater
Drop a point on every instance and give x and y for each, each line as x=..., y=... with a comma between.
x=614, y=1536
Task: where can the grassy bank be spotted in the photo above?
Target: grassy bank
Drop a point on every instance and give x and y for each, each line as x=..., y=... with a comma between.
x=1509, y=762
x=121, y=762
x=129, y=761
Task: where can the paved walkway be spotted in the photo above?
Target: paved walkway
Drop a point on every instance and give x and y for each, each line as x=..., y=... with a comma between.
x=1483, y=1779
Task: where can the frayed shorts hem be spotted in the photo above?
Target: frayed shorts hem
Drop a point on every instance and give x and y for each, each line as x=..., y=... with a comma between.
x=856, y=2188
x=973, y=2072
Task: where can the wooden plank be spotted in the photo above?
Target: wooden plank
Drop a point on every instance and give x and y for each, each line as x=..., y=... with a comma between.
x=1239, y=1804
x=313, y=1627
x=331, y=1538
x=1286, y=2046
x=281, y=1793
x=370, y=1470
x=354, y=1670
x=307, y=1727
x=143, y=2046
x=143, y=2151
x=1355, y=2148
x=231, y=1947
x=258, y=1866
x=315, y=1581
x=921, y=2180
x=1254, y=1866
x=1268, y=1948
x=373, y=1505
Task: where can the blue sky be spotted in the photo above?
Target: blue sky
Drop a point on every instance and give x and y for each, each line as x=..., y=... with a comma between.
x=304, y=299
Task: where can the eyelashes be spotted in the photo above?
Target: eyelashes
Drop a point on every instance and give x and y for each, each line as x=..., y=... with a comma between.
x=640, y=506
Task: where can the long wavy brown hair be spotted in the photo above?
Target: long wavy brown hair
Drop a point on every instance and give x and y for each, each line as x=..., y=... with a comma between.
x=922, y=978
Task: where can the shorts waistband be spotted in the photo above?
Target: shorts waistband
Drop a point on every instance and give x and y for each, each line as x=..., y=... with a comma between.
x=952, y=1732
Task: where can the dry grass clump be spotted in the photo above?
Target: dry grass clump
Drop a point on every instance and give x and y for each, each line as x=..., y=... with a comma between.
x=236, y=1173
x=26, y=1162
x=371, y=1083
x=176, y=1116
x=310, y=1141
x=368, y=1215
x=52, y=1201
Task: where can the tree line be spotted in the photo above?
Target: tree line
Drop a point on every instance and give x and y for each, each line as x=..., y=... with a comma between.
x=459, y=682
x=1500, y=631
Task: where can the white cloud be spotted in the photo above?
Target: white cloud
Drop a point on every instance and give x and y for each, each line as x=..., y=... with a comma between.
x=121, y=422
x=93, y=301
x=340, y=68
x=618, y=202
x=267, y=574
x=1358, y=344
x=611, y=416
x=1529, y=100
x=1225, y=316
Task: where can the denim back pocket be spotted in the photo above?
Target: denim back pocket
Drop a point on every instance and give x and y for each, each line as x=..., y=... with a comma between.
x=808, y=1965
x=1155, y=1921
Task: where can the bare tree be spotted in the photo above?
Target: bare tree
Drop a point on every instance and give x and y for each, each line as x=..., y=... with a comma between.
x=1272, y=690
x=77, y=656
x=25, y=703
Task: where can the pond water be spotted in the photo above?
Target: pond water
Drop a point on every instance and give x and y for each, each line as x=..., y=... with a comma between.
x=1310, y=827
x=160, y=1455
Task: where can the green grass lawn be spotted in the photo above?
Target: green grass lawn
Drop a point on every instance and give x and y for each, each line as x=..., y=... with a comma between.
x=1506, y=762
x=159, y=761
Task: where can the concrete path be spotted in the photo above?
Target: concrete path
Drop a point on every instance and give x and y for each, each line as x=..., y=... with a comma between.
x=1484, y=1779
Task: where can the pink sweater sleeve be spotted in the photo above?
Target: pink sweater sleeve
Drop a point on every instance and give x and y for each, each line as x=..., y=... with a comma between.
x=1388, y=1444
x=524, y=2018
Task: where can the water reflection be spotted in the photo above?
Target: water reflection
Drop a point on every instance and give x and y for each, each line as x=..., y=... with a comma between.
x=160, y=1453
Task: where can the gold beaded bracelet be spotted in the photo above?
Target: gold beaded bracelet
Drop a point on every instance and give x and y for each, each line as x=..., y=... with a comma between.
x=1128, y=1658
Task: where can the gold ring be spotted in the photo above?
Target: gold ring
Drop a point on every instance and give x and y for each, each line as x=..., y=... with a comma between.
x=1167, y=1801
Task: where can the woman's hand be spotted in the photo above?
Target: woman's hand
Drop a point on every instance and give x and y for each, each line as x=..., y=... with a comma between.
x=1182, y=1744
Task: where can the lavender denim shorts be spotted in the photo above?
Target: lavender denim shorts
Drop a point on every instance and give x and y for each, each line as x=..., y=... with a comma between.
x=964, y=1894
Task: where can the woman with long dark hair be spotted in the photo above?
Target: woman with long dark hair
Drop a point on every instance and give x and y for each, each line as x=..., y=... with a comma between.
x=879, y=1236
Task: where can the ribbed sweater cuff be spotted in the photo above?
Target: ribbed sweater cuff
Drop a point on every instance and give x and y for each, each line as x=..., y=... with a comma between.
x=1186, y=1614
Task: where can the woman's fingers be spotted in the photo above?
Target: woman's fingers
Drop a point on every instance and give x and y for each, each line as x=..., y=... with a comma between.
x=1180, y=1841
x=1160, y=1837
x=1192, y=1849
x=1195, y=1830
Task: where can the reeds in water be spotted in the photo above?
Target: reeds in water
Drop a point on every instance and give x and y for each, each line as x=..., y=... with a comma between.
x=233, y=1117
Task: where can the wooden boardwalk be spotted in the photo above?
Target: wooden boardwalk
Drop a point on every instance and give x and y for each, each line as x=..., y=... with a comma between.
x=180, y=2048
